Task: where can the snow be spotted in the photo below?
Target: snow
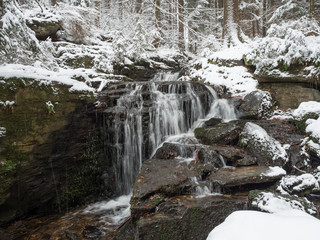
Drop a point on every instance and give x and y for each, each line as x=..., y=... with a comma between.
x=220, y=68
x=297, y=184
x=253, y=225
x=305, y=108
x=44, y=76
x=274, y=171
x=313, y=127
x=2, y=131
x=269, y=202
x=285, y=45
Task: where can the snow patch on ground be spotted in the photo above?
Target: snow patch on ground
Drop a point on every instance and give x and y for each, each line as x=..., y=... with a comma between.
x=253, y=225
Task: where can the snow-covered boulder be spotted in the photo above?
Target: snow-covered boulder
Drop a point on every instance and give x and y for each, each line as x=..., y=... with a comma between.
x=253, y=225
x=255, y=105
x=44, y=24
x=265, y=148
x=300, y=185
x=274, y=202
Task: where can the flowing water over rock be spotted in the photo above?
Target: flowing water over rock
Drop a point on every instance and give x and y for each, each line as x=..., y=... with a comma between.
x=152, y=112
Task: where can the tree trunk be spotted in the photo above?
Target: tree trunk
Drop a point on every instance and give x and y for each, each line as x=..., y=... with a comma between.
x=181, y=44
x=264, y=18
x=157, y=13
x=120, y=9
x=312, y=8
x=231, y=28
x=138, y=6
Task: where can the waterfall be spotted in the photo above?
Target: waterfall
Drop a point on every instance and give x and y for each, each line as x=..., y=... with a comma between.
x=149, y=114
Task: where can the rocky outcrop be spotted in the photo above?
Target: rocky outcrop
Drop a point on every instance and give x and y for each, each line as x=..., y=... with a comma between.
x=44, y=27
x=51, y=160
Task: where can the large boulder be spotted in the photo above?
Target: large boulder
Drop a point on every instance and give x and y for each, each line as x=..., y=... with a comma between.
x=44, y=25
x=255, y=105
x=222, y=133
x=187, y=217
x=265, y=148
x=227, y=178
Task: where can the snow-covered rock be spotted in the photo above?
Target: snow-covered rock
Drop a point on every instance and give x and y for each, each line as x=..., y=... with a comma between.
x=252, y=225
x=306, y=108
x=273, y=202
x=267, y=149
x=301, y=185
x=255, y=105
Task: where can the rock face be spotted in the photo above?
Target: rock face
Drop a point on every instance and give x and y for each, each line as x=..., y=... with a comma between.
x=50, y=160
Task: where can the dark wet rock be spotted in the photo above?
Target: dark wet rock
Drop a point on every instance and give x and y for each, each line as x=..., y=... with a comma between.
x=172, y=150
x=231, y=156
x=265, y=201
x=162, y=176
x=212, y=122
x=240, y=176
x=50, y=161
x=44, y=28
x=92, y=232
x=255, y=105
x=186, y=217
x=265, y=148
x=222, y=133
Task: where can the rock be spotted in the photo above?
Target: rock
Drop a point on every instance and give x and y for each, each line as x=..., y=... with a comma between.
x=300, y=185
x=172, y=150
x=92, y=232
x=162, y=176
x=241, y=176
x=275, y=202
x=212, y=122
x=222, y=133
x=45, y=154
x=44, y=28
x=255, y=105
x=231, y=156
x=266, y=149
x=186, y=217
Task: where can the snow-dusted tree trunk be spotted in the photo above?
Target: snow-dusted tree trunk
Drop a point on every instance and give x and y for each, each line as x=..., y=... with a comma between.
x=138, y=6
x=312, y=8
x=157, y=13
x=181, y=43
x=231, y=29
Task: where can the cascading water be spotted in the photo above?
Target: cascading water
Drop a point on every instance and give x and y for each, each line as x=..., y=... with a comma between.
x=170, y=108
x=163, y=109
